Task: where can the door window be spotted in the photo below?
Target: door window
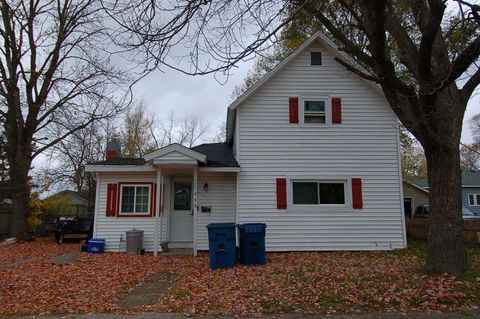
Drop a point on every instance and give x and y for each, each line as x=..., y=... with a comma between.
x=182, y=196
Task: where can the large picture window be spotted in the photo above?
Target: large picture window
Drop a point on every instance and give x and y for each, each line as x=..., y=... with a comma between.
x=318, y=192
x=135, y=199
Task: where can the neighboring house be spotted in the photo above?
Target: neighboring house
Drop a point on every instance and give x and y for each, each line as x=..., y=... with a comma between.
x=69, y=203
x=413, y=196
x=470, y=190
x=312, y=151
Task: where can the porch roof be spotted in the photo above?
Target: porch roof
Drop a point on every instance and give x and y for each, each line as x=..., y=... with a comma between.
x=217, y=155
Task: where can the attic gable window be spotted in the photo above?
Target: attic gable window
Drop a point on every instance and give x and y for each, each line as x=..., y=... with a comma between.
x=315, y=111
x=316, y=58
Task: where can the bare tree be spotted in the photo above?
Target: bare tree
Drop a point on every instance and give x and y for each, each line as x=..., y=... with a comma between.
x=421, y=56
x=56, y=79
x=221, y=134
x=68, y=158
x=191, y=130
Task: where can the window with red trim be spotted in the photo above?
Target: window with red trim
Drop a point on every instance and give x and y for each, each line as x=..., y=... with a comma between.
x=135, y=199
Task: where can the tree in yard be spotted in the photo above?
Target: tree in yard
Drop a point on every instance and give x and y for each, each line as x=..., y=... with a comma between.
x=421, y=56
x=55, y=79
x=67, y=159
x=141, y=132
x=136, y=132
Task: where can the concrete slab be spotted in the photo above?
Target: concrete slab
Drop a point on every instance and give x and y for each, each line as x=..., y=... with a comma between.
x=179, y=252
x=149, y=291
x=66, y=259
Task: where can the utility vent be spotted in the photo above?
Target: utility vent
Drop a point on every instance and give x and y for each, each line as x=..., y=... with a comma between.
x=316, y=58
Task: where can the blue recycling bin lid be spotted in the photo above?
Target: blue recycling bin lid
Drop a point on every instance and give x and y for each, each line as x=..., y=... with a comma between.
x=252, y=227
x=97, y=240
x=220, y=225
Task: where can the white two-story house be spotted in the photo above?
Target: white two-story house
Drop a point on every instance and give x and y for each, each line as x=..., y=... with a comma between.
x=312, y=150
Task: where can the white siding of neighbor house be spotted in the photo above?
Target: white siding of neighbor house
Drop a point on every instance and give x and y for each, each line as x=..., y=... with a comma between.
x=365, y=145
x=221, y=195
x=114, y=228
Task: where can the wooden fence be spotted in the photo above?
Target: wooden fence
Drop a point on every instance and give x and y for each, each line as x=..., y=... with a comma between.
x=418, y=228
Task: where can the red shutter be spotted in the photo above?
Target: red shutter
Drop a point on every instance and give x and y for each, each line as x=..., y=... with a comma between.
x=154, y=199
x=336, y=110
x=357, y=198
x=112, y=198
x=281, y=193
x=293, y=107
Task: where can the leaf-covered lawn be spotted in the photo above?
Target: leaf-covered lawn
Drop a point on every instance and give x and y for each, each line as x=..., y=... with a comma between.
x=305, y=282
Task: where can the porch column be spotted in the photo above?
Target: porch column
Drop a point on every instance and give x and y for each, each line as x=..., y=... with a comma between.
x=157, y=211
x=195, y=210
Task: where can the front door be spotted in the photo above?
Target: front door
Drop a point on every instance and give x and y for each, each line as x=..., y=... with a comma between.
x=181, y=221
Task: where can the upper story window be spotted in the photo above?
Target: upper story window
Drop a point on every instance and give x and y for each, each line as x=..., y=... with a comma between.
x=314, y=111
x=318, y=192
x=135, y=199
x=316, y=58
x=474, y=199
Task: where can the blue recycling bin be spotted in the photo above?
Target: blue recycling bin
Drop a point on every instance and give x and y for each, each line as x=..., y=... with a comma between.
x=252, y=243
x=221, y=244
x=96, y=246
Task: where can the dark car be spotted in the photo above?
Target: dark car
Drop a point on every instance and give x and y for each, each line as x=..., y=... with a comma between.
x=422, y=212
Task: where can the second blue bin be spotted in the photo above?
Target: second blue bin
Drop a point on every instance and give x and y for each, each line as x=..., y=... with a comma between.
x=252, y=243
x=222, y=248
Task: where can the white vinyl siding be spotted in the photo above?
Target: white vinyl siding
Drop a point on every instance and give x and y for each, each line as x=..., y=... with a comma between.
x=364, y=146
x=113, y=228
x=221, y=196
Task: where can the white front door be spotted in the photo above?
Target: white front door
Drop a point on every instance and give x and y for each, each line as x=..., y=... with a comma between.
x=181, y=221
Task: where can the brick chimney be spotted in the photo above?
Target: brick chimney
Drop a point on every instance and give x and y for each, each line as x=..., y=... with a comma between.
x=113, y=149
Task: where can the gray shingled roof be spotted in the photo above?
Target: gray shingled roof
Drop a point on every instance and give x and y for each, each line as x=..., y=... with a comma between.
x=218, y=155
x=120, y=161
x=469, y=178
x=421, y=182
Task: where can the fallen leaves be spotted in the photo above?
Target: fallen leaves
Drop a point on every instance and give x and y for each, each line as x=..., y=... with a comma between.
x=299, y=282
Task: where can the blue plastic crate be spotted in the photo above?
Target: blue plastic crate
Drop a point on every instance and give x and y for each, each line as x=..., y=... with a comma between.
x=96, y=246
x=252, y=243
x=221, y=244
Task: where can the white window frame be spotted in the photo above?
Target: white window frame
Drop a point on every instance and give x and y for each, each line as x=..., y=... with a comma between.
x=346, y=194
x=135, y=199
x=328, y=109
x=475, y=202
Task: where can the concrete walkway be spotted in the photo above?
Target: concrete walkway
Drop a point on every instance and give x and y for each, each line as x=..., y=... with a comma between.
x=465, y=314
x=149, y=291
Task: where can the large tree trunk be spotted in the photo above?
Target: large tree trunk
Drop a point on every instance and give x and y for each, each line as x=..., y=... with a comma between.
x=20, y=161
x=446, y=251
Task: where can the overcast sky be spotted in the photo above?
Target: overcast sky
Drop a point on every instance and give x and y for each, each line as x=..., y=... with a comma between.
x=186, y=95
x=205, y=97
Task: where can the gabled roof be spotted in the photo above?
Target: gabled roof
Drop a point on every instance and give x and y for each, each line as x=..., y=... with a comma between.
x=213, y=154
x=324, y=41
x=469, y=179
x=218, y=154
x=420, y=182
x=179, y=149
x=415, y=186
